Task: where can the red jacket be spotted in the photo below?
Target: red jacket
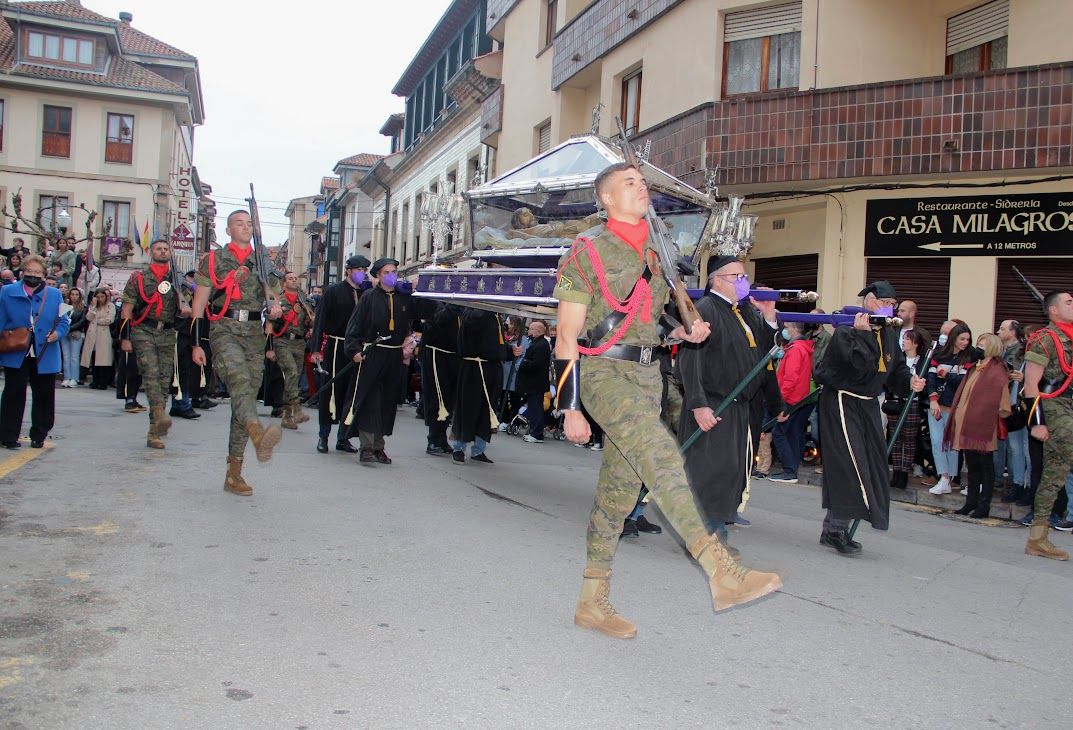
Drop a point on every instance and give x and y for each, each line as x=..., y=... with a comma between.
x=795, y=371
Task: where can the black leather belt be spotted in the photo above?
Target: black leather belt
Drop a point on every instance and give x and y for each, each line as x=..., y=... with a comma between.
x=155, y=324
x=290, y=336
x=243, y=315
x=632, y=353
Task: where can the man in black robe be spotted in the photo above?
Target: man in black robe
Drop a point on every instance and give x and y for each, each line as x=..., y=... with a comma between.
x=859, y=362
x=439, y=374
x=719, y=464
x=480, y=381
x=329, y=330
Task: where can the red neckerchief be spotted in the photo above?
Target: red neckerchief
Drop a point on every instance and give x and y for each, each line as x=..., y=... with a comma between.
x=239, y=253
x=160, y=271
x=1067, y=328
x=290, y=317
x=634, y=234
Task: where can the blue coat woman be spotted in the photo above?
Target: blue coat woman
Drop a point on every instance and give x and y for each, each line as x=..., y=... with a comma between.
x=19, y=308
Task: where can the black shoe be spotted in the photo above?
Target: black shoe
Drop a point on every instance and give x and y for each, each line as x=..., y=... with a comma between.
x=205, y=404
x=367, y=456
x=629, y=529
x=36, y=444
x=483, y=458
x=11, y=444
x=381, y=457
x=645, y=526
x=967, y=509
x=134, y=406
x=436, y=450
x=346, y=446
x=277, y=412
x=981, y=512
x=840, y=541
x=322, y=445
x=189, y=413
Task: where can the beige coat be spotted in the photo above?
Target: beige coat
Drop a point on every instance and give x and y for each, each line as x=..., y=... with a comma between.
x=98, y=337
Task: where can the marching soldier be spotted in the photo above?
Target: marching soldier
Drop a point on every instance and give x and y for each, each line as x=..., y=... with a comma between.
x=1048, y=373
x=287, y=346
x=150, y=306
x=326, y=343
x=621, y=386
x=232, y=299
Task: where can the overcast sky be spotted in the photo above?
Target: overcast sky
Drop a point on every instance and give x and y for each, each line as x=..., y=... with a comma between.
x=289, y=89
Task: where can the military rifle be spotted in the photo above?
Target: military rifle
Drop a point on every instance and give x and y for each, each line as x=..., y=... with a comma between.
x=1036, y=293
x=261, y=266
x=665, y=247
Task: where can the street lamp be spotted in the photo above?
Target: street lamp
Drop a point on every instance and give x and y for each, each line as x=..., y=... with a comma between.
x=441, y=212
x=63, y=219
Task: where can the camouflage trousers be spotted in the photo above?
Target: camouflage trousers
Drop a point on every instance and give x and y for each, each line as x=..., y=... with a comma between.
x=1057, y=454
x=238, y=356
x=155, y=351
x=290, y=356
x=624, y=398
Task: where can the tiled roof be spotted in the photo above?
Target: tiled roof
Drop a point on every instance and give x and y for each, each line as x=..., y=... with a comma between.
x=122, y=74
x=329, y=183
x=362, y=159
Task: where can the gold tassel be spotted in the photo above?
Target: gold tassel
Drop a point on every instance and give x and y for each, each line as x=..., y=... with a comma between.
x=748, y=332
x=879, y=339
x=391, y=309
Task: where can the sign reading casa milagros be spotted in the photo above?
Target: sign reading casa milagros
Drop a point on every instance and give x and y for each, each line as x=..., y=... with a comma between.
x=1039, y=224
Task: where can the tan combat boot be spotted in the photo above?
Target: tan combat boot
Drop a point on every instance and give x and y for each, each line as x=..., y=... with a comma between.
x=594, y=609
x=731, y=582
x=264, y=439
x=159, y=416
x=1038, y=544
x=152, y=439
x=298, y=414
x=288, y=418
x=234, y=482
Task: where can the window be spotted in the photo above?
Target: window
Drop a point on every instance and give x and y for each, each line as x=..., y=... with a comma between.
x=631, y=102
x=56, y=132
x=48, y=207
x=451, y=187
x=762, y=49
x=115, y=217
x=1, y=125
x=119, y=144
x=543, y=138
x=550, y=11
x=976, y=40
x=68, y=50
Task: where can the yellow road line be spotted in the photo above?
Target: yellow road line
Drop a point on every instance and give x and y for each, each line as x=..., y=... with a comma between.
x=22, y=458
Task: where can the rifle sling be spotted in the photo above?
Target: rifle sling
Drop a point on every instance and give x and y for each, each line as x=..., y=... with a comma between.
x=604, y=327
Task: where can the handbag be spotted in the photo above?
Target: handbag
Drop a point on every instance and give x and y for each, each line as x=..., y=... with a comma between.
x=17, y=339
x=1018, y=417
x=893, y=406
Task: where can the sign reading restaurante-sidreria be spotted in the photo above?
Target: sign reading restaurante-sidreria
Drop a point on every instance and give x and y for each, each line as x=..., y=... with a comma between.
x=1039, y=224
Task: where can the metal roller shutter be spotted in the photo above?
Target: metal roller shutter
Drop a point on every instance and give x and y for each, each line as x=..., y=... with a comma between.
x=760, y=22
x=788, y=272
x=924, y=281
x=1012, y=298
x=979, y=25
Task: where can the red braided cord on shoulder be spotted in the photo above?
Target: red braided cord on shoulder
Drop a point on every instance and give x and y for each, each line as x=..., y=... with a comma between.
x=149, y=301
x=227, y=284
x=639, y=300
x=1067, y=368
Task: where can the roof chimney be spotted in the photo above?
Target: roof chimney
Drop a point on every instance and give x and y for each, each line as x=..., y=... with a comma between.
x=126, y=17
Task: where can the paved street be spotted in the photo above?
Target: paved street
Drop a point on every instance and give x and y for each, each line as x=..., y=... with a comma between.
x=135, y=593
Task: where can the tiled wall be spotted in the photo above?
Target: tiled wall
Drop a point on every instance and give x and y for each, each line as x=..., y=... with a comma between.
x=497, y=10
x=599, y=28
x=492, y=114
x=1006, y=120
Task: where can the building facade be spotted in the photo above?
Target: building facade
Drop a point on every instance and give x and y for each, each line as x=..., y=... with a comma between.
x=927, y=142
x=349, y=215
x=94, y=112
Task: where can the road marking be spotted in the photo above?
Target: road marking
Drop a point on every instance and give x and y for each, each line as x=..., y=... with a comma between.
x=78, y=575
x=105, y=528
x=16, y=461
x=9, y=669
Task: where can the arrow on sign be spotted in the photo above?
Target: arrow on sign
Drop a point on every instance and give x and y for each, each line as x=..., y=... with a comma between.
x=938, y=247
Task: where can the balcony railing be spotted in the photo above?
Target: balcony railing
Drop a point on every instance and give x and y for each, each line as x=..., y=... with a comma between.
x=55, y=144
x=1013, y=119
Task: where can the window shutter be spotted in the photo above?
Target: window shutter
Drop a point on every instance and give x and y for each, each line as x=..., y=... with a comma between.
x=1012, y=298
x=788, y=272
x=760, y=22
x=544, y=139
x=925, y=281
x=979, y=25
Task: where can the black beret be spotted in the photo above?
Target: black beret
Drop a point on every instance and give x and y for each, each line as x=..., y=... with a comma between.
x=381, y=263
x=357, y=262
x=718, y=262
x=882, y=289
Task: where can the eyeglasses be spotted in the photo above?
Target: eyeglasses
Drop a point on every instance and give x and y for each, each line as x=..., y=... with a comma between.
x=736, y=277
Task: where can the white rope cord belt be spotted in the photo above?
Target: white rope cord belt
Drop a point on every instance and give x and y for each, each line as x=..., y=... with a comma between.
x=747, y=492
x=492, y=420
x=331, y=394
x=441, y=413
x=354, y=398
x=845, y=434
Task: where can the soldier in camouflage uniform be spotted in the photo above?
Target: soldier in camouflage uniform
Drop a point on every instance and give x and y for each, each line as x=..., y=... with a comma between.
x=1048, y=371
x=287, y=347
x=233, y=299
x=150, y=307
x=621, y=386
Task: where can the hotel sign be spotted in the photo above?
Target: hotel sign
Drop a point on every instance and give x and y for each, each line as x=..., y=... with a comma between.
x=1039, y=224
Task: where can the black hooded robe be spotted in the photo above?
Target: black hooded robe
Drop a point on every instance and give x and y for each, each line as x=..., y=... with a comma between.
x=480, y=336
x=439, y=368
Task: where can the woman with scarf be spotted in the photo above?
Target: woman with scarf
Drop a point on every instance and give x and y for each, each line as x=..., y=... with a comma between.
x=948, y=367
x=981, y=400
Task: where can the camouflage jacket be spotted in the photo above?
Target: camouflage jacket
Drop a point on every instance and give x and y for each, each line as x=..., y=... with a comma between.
x=243, y=295
x=1041, y=351
x=141, y=291
x=622, y=269
x=295, y=319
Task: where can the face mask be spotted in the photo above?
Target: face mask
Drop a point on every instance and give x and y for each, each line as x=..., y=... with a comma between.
x=942, y=340
x=32, y=281
x=390, y=278
x=193, y=286
x=357, y=276
x=885, y=311
x=786, y=334
x=741, y=288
